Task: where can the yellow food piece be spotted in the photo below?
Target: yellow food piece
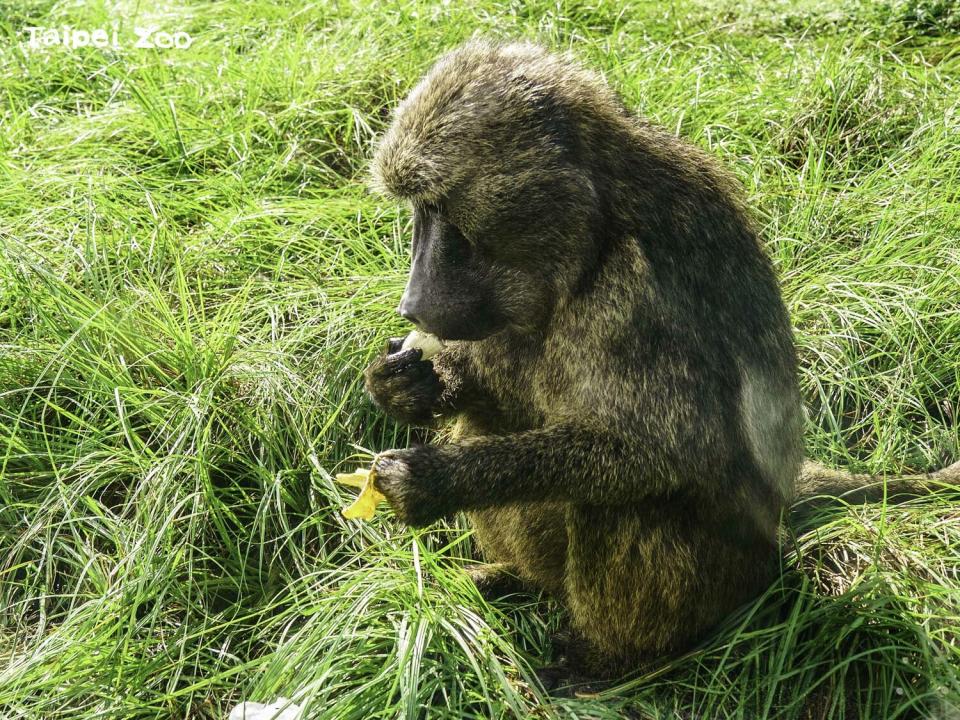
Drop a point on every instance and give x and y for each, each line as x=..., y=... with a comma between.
x=358, y=478
x=366, y=503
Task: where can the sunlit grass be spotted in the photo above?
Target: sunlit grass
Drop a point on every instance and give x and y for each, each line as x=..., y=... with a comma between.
x=192, y=278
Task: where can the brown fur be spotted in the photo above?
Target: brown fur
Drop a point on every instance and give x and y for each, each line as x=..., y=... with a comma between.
x=630, y=438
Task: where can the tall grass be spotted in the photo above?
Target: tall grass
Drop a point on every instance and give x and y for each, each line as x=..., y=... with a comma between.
x=192, y=278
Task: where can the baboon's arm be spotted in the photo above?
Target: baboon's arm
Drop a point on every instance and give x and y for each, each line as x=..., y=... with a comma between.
x=571, y=462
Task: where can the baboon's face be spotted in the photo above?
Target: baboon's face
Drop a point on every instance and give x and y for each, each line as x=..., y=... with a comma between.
x=451, y=292
x=500, y=176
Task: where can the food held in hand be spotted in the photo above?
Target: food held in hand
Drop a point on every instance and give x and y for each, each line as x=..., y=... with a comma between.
x=429, y=345
x=366, y=503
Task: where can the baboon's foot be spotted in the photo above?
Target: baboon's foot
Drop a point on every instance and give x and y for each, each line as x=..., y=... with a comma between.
x=598, y=666
x=495, y=580
x=562, y=680
x=567, y=676
x=554, y=678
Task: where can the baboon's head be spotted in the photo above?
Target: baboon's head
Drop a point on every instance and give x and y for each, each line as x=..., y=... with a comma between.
x=497, y=151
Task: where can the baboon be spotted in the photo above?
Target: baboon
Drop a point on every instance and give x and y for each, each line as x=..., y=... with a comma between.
x=618, y=360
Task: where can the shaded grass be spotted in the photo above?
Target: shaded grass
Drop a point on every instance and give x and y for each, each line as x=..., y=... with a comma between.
x=192, y=278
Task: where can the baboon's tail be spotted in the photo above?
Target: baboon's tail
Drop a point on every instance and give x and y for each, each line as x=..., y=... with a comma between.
x=819, y=486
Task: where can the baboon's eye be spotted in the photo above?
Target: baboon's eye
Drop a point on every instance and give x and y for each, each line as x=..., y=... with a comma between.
x=440, y=208
x=435, y=207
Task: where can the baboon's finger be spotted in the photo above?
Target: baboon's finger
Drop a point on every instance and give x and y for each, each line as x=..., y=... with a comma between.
x=393, y=364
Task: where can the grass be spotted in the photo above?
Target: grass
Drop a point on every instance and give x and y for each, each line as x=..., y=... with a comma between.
x=192, y=277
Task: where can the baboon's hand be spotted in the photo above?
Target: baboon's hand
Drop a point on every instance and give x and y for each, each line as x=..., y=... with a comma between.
x=413, y=480
x=404, y=386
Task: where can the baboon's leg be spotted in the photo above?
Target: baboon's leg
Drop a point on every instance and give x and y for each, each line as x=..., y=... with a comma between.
x=495, y=580
x=529, y=541
x=645, y=582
